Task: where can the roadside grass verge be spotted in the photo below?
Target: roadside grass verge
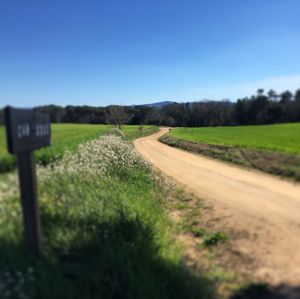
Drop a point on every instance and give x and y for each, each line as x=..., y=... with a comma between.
x=203, y=244
x=105, y=231
x=267, y=156
x=67, y=137
x=212, y=244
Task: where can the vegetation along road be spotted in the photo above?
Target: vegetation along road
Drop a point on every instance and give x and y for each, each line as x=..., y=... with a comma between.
x=66, y=137
x=260, y=209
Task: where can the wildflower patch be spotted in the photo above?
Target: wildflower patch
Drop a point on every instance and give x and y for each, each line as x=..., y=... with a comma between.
x=101, y=157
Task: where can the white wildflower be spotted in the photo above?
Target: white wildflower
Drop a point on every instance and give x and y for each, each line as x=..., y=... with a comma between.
x=100, y=156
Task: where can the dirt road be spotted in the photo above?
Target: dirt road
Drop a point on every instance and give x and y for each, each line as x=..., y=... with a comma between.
x=265, y=210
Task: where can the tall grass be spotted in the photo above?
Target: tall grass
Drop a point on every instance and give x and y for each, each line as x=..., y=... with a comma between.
x=105, y=232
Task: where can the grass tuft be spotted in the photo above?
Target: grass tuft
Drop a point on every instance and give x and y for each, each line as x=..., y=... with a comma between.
x=215, y=238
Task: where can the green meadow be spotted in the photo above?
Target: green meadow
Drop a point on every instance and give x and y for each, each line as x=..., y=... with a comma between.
x=273, y=149
x=67, y=137
x=280, y=137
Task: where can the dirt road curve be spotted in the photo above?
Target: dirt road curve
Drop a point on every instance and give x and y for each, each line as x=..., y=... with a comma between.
x=264, y=209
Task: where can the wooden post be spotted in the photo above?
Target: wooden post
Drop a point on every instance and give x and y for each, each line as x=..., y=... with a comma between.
x=29, y=200
x=26, y=131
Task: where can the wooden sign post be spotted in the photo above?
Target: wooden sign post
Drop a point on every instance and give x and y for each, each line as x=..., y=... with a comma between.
x=26, y=131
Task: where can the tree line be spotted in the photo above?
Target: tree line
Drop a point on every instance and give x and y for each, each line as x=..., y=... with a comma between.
x=262, y=108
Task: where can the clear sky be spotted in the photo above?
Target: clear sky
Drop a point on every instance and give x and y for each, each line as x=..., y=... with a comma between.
x=133, y=52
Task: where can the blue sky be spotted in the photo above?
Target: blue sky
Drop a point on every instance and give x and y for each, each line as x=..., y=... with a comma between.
x=133, y=52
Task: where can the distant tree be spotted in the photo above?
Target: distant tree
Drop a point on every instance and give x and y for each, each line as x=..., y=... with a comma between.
x=154, y=117
x=1, y=117
x=116, y=115
x=140, y=114
x=260, y=92
x=297, y=103
x=272, y=95
x=259, y=109
x=275, y=114
x=297, y=95
x=99, y=115
x=240, y=112
x=70, y=116
x=288, y=110
x=286, y=96
x=173, y=114
x=56, y=113
x=170, y=121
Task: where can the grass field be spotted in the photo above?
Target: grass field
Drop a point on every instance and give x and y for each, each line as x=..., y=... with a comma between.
x=105, y=231
x=66, y=136
x=270, y=148
x=282, y=138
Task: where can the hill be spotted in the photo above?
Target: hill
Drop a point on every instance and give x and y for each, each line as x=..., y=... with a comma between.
x=159, y=104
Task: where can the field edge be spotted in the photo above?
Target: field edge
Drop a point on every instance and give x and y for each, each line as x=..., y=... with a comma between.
x=275, y=163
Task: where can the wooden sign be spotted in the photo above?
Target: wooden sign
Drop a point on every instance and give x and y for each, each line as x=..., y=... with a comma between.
x=26, y=131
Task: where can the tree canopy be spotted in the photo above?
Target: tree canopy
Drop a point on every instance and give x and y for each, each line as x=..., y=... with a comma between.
x=263, y=108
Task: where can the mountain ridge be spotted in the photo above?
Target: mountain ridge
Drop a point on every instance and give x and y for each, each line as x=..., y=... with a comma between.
x=159, y=104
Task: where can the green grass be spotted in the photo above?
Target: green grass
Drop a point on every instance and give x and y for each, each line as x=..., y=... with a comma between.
x=103, y=237
x=273, y=149
x=281, y=137
x=64, y=137
x=133, y=132
x=215, y=238
x=3, y=150
x=67, y=137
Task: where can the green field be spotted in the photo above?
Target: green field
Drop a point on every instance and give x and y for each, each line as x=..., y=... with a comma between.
x=67, y=136
x=273, y=149
x=280, y=137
